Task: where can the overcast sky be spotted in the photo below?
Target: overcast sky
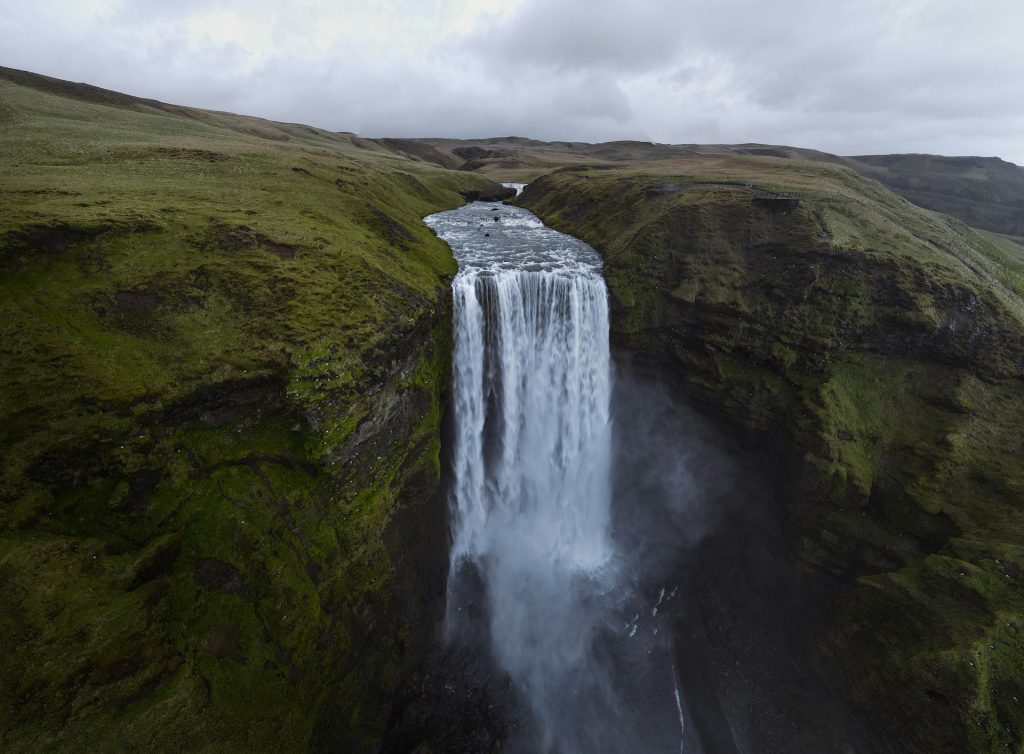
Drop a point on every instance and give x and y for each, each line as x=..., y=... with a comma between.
x=846, y=76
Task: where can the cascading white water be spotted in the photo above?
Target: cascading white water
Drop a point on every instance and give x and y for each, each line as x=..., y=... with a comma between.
x=536, y=578
x=531, y=374
x=531, y=488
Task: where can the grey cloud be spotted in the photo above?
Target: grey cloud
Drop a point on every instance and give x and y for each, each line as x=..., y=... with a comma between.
x=584, y=35
x=853, y=77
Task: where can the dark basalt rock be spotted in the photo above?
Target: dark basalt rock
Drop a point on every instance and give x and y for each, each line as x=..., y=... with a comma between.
x=455, y=703
x=495, y=193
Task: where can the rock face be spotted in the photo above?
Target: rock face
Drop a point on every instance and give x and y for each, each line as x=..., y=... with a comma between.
x=222, y=374
x=481, y=153
x=867, y=347
x=493, y=193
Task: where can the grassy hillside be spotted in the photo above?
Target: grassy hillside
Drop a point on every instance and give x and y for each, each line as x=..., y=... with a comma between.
x=984, y=192
x=876, y=351
x=223, y=351
x=513, y=158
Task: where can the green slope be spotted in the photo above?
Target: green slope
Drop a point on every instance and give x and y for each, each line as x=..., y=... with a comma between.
x=984, y=192
x=223, y=351
x=876, y=352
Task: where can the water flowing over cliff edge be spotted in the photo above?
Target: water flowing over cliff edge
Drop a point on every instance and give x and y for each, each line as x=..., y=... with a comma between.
x=533, y=565
x=599, y=527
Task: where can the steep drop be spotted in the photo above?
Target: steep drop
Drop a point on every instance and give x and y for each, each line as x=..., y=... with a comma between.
x=531, y=491
x=535, y=576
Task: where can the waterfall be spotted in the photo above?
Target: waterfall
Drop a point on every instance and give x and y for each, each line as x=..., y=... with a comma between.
x=531, y=456
x=619, y=628
x=531, y=389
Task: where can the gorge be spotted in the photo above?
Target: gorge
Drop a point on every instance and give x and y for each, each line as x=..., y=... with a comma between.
x=737, y=465
x=592, y=521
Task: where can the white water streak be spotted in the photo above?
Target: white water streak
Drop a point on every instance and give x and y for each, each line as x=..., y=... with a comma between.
x=534, y=345
x=679, y=708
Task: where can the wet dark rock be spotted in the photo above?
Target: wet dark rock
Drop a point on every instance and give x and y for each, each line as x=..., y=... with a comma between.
x=455, y=703
x=494, y=193
x=212, y=573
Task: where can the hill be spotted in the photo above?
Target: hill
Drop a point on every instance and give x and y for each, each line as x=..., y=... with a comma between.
x=874, y=352
x=984, y=192
x=223, y=353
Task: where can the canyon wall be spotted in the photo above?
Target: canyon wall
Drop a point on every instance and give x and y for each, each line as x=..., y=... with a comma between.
x=868, y=349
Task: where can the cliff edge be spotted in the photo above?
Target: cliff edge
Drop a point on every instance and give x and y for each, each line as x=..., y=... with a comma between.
x=224, y=351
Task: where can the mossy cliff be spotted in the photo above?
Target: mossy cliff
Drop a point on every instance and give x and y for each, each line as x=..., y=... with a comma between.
x=224, y=347
x=875, y=353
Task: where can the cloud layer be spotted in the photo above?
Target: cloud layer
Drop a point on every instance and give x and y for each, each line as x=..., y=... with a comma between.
x=855, y=77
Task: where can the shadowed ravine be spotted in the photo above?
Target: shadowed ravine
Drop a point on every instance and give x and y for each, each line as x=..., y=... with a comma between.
x=613, y=588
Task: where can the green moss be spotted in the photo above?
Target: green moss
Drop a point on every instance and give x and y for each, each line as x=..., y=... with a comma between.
x=787, y=356
x=224, y=346
x=883, y=343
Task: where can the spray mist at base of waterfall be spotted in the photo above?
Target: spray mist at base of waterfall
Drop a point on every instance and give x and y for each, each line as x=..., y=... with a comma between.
x=618, y=580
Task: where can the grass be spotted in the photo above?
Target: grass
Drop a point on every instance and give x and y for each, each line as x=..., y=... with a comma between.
x=984, y=192
x=222, y=356
x=884, y=343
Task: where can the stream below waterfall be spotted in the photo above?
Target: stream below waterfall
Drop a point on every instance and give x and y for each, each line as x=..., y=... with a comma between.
x=616, y=582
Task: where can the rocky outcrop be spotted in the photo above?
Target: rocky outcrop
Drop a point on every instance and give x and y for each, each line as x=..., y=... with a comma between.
x=865, y=346
x=473, y=153
x=493, y=193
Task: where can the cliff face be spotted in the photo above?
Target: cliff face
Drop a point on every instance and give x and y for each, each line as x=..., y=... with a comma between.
x=869, y=348
x=224, y=351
